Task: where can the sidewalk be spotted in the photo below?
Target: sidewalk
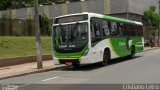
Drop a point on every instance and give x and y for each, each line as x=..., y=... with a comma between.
x=149, y=48
x=29, y=68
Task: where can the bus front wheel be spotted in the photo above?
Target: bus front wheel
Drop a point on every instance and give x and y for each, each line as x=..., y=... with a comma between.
x=76, y=65
x=106, y=57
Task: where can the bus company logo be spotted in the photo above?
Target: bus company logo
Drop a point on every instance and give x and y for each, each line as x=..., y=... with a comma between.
x=122, y=43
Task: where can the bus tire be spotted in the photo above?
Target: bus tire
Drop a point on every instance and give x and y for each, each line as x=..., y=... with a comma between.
x=76, y=65
x=106, y=57
x=132, y=52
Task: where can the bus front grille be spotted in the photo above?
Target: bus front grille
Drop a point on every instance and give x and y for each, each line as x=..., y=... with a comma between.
x=64, y=61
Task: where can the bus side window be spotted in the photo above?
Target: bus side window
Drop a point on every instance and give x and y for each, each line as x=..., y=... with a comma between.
x=114, y=29
x=134, y=30
x=128, y=29
x=123, y=29
x=139, y=31
x=95, y=32
x=92, y=31
x=105, y=27
x=119, y=29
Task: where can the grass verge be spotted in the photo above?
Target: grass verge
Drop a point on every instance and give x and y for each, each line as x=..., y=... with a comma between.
x=22, y=46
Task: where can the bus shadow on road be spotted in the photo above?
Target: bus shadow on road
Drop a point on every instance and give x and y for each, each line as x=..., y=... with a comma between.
x=90, y=67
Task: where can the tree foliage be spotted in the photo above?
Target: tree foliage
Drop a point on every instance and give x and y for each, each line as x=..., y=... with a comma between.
x=44, y=25
x=14, y=4
x=152, y=19
x=8, y=4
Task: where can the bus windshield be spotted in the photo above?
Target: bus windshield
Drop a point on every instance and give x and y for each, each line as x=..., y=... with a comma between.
x=70, y=37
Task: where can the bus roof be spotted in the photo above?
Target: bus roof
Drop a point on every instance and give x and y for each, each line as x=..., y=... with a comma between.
x=104, y=17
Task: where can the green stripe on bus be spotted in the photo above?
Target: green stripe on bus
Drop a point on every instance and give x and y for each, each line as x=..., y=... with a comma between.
x=118, y=19
x=121, y=48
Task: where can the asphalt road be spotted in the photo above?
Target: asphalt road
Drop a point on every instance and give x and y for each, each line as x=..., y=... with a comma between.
x=145, y=68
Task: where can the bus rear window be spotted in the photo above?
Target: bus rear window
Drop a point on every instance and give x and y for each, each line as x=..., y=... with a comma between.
x=73, y=18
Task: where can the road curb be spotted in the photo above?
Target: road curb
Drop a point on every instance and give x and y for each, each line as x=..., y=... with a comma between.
x=151, y=49
x=36, y=71
x=21, y=60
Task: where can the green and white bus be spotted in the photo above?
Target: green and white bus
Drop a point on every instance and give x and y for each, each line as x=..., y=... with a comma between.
x=85, y=38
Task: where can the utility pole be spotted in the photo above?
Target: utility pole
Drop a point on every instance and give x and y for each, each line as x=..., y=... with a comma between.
x=159, y=25
x=38, y=36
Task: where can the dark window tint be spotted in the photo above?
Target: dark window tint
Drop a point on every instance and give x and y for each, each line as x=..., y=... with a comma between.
x=73, y=18
x=139, y=31
x=111, y=28
x=123, y=29
x=114, y=29
x=105, y=28
x=120, y=29
x=95, y=30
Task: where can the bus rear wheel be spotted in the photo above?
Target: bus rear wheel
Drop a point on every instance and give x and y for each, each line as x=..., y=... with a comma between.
x=106, y=57
x=132, y=52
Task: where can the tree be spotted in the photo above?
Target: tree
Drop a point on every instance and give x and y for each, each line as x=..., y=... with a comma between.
x=14, y=4
x=44, y=25
x=152, y=20
x=5, y=4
